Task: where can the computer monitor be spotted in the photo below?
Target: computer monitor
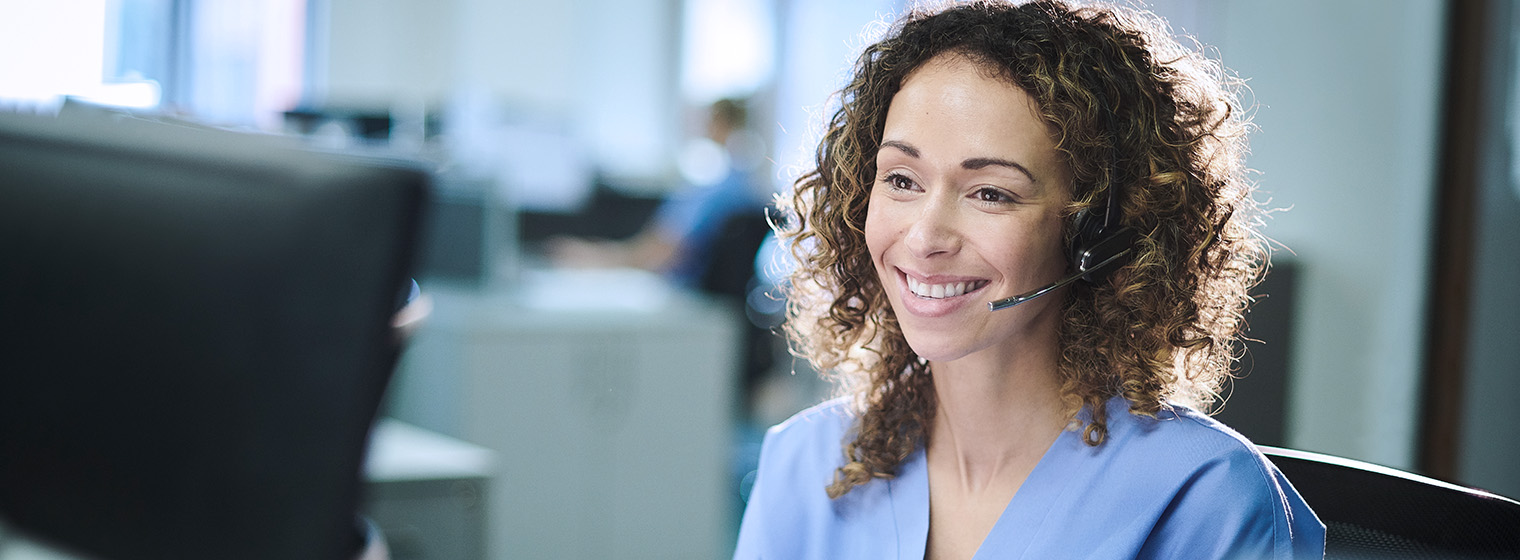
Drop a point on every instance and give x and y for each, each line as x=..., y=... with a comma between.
x=194, y=336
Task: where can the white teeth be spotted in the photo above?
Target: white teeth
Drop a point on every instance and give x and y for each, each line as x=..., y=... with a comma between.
x=940, y=291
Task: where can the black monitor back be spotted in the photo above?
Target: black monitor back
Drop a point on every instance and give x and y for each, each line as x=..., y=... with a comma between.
x=194, y=336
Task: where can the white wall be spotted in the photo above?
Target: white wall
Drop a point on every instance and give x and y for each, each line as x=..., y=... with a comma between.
x=383, y=51
x=604, y=71
x=1348, y=99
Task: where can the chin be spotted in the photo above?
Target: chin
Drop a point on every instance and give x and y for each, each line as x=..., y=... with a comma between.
x=939, y=348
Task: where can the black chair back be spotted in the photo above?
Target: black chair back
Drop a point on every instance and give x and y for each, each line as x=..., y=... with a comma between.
x=1371, y=511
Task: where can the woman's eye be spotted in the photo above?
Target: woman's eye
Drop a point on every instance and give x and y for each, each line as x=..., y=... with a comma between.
x=899, y=181
x=988, y=194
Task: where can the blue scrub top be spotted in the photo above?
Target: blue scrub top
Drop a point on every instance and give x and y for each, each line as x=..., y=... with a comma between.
x=1178, y=486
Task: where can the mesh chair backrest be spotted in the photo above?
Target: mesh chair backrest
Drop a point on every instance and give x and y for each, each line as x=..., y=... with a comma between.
x=1371, y=511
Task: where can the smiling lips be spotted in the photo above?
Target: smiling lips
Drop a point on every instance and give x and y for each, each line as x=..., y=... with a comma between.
x=942, y=291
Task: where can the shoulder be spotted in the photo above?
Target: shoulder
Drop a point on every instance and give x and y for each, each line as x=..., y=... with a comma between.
x=804, y=451
x=1219, y=490
x=788, y=507
x=789, y=513
x=1179, y=442
x=827, y=420
x=1175, y=426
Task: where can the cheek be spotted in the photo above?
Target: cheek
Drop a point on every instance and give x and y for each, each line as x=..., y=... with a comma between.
x=1032, y=252
x=1052, y=248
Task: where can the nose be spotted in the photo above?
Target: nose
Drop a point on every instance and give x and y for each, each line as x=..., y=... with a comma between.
x=935, y=230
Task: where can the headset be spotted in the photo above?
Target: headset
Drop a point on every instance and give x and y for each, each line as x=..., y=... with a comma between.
x=1099, y=245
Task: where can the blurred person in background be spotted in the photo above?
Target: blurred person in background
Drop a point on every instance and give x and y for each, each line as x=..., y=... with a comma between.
x=682, y=239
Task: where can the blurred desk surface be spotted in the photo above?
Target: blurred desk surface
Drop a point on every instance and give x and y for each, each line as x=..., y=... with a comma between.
x=399, y=451
x=608, y=399
x=426, y=492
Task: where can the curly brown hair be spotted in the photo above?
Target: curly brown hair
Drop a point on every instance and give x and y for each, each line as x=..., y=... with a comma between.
x=1135, y=111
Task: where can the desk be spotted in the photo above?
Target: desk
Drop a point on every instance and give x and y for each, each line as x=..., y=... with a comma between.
x=608, y=400
x=426, y=492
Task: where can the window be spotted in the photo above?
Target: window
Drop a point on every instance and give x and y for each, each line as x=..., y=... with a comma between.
x=227, y=63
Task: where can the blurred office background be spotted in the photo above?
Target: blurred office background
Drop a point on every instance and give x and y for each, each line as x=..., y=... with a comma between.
x=621, y=410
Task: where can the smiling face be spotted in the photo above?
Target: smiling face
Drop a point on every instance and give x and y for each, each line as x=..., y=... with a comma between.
x=966, y=209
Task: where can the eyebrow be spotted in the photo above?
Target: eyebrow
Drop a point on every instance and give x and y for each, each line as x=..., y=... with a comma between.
x=900, y=145
x=973, y=163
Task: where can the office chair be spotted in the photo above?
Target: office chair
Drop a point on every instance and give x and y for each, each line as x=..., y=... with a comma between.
x=1372, y=511
x=729, y=274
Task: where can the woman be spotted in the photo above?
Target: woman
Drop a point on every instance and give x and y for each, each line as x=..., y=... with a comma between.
x=987, y=154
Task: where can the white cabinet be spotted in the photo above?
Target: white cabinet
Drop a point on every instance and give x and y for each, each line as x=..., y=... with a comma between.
x=608, y=400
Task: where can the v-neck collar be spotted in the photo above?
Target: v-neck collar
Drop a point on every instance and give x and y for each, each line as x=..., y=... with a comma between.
x=1019, y=524
x=909, y=493
x=1023, y=519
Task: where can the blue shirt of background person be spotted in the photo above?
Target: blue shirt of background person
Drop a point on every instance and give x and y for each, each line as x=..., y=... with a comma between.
x=679, y=240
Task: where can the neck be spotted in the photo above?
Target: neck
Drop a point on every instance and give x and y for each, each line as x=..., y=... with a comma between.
x=996, y=414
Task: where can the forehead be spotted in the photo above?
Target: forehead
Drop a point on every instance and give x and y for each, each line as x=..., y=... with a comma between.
x=965, y=109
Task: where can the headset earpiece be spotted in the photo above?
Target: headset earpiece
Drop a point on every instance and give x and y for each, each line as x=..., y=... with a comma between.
x=1098, y=248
